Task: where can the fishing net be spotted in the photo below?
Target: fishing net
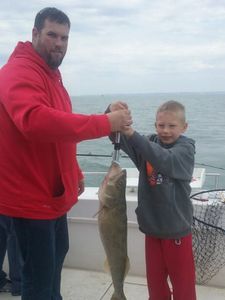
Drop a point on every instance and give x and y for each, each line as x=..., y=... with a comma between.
x=208, y=233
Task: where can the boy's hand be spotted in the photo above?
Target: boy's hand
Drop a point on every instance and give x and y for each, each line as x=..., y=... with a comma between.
x=118, y=106
x=128, y=131
x=119, y=119
x=121, y=107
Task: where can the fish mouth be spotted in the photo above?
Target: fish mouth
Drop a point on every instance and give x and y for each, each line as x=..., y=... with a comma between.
x=114, y=179
x=123, y=173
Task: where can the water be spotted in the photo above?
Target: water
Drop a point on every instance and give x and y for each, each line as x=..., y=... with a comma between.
x=205, y=115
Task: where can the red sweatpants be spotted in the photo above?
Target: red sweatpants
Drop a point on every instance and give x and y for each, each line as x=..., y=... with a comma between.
x=174, y=259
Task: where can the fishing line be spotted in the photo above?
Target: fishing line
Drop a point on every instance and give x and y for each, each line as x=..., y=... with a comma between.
x=109, y=287
x=206, y=165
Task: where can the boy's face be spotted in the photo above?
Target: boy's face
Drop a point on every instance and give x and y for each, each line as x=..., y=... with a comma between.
x=169, y=126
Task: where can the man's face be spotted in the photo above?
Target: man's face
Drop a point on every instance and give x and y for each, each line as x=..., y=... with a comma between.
x=51, y=42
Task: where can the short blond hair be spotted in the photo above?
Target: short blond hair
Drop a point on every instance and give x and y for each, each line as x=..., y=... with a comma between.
x=173, y=106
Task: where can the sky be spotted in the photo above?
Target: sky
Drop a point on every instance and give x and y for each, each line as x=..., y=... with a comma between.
x=131, y=46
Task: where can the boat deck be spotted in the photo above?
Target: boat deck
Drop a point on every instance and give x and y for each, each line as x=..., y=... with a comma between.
x=90, y=285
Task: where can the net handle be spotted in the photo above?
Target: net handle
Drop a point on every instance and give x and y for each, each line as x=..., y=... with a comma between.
x=206, y=191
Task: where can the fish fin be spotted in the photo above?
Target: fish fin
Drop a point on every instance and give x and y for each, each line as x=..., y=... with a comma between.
x=127, y=266
x=97, y=213
x=106, y=266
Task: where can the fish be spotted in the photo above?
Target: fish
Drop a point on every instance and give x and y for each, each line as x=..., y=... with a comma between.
x=112, y=223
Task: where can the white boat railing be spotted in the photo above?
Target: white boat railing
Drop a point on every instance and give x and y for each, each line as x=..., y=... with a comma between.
x=216, y=177
x=198, y=178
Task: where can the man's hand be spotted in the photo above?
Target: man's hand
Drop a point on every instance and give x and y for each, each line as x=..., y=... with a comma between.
x=125, y=128
x=119, y=119
x=128, y=131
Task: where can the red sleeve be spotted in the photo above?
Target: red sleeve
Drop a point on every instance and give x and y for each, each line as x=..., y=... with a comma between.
x=41, y=117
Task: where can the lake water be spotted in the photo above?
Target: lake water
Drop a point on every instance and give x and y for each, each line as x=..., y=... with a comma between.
x=205, y=115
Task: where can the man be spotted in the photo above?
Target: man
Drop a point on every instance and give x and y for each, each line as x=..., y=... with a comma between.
x=40, y=176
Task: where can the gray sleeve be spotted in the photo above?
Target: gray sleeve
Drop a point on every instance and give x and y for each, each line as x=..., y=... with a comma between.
x=127, y=147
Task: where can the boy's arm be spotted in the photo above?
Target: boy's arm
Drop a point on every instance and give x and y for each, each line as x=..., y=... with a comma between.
x=176, y=162
x=130, y=150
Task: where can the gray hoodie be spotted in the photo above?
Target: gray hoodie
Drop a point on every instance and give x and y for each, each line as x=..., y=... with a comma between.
x=164, y=207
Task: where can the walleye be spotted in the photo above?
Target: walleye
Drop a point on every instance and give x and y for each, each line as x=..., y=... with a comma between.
x=112, y=222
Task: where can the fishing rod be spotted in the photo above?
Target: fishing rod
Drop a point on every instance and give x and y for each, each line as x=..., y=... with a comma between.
x=116, y=152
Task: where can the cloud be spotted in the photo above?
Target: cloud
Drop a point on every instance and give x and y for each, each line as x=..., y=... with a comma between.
x=131, y=45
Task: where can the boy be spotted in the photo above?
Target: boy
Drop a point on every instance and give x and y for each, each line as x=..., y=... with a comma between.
x=165, y=162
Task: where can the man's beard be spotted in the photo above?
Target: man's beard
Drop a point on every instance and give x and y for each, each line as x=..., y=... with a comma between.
x=54, y=63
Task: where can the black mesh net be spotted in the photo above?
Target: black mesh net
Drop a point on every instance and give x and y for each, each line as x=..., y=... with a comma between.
x=209, y=233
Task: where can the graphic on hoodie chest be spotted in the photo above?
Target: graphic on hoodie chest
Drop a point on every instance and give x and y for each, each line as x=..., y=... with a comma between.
x=154, y=177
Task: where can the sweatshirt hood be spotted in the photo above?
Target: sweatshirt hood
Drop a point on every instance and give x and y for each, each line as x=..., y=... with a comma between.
x=25, y=50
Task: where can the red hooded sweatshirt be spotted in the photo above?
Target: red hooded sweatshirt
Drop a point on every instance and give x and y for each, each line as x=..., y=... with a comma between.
x=39, y=173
